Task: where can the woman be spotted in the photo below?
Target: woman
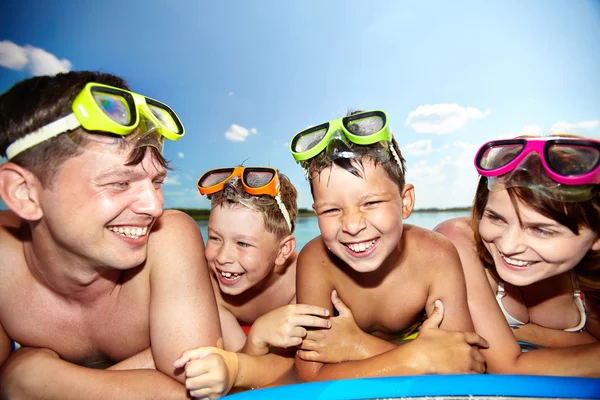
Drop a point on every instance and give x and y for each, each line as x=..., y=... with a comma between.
x=531, y=254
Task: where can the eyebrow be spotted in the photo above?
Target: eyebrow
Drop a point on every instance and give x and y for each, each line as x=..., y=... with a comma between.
x=121, y=173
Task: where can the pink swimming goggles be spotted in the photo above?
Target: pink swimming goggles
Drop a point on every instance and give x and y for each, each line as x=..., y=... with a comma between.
x=566, y=160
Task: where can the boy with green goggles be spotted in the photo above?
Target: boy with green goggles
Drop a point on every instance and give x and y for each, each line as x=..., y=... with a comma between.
x=109, y=109
x=379, y=273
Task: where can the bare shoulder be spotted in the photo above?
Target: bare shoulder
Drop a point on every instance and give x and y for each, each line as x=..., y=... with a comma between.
x=11, y=239
x=428, y=244
x=175, y=219
x=313, y=255
x=456, y=229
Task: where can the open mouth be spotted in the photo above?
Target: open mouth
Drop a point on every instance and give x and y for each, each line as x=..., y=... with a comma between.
x=516, y=264
x=229, y=278
x=134, y=232
x=365, y=248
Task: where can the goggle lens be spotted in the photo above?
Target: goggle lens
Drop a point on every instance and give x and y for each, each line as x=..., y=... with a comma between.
x=309, y=140
x=115, y=107
x=366, y=126
x=498, y=156
x=164, y=116
x=214, y=178
x=572, y=160
x=258, y=179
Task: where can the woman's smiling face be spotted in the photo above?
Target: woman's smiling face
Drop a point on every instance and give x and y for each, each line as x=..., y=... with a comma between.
x=533, y=249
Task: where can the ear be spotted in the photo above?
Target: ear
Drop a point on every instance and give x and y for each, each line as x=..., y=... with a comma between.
x=408, y=200
x=286, y=248
x=596, y=244
x=20, y=190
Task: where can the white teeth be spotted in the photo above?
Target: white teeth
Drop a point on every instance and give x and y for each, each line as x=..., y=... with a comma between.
x=230, y=275
x=361, y=247
x=517, y=263
x=132, y=232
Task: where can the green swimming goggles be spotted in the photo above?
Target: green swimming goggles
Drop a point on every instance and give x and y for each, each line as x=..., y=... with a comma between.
x=363, y=128
x=106, y=109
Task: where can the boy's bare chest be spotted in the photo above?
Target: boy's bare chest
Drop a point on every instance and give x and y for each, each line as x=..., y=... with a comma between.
x=388, y=308
x=113, y=328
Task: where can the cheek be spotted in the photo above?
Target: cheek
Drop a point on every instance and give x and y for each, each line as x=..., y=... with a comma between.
x=489, y=232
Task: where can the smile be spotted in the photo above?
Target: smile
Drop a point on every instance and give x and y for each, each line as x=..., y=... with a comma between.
x=132, y=232
x=362, y=246
x=517, y=263
x=229, y=278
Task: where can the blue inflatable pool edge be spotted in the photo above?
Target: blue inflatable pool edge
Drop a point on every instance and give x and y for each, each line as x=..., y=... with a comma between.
x=487, y=386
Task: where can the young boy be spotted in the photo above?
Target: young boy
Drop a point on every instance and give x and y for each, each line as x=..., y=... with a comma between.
x=92, y=271
x=252, y=259
x=386, y=272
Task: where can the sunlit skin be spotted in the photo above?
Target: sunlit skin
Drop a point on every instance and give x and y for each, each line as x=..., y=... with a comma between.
x=533, y=251
x=97, y=193
x=239, y=245
x=360, y=219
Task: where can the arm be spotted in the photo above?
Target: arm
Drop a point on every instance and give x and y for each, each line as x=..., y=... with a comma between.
x=504, y=353
x=448, y=285
x=59, y=379
x=547, y=337
x=183, y=309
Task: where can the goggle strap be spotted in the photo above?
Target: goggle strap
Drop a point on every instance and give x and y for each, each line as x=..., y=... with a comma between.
x=396, y=156
x=46, y=132
x=284, y=211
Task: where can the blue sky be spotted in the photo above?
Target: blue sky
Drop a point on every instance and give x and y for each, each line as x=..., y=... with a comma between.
x=245, y=76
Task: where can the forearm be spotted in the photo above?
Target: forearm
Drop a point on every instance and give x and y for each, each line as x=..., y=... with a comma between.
x=582, y=360
x=259, y=371
x=141, y=360
x=35, y=373
x=401, y=360
x=551, y=337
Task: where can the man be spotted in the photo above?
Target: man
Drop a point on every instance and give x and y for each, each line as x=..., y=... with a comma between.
x=92, y=271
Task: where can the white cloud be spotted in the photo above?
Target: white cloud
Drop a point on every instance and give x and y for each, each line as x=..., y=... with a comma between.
x=237, y=133
x=531, y=130
x=418, y=148
x=172, y=180
x=568, y=127
x=37, y=61
x=180, y=155
x=442, y=118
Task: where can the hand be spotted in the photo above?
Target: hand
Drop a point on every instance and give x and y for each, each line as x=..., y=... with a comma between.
x=445, y=352
x=284, y=327
x=210, y=371
x=340, y=343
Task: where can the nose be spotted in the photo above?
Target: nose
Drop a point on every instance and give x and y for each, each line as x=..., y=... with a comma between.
x=149, y=200
x=224, y=254
x=353, y=222
x=513, y=241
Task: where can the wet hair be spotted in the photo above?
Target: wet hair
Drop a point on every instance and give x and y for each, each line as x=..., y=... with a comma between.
x=234, y=195
x=573, y=215
x=35, y=102
x=355, y=165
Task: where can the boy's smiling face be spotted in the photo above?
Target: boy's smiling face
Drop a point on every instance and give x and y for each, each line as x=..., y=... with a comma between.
x=239, y=251
x=360, y=219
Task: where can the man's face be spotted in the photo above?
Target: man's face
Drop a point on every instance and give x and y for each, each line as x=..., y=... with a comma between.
x=99, y=212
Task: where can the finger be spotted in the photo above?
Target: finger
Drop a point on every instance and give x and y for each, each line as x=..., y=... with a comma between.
x=316, y=335
x=309, y=345
x=436, y=317
x=311, y=321
x=188, y=355
x=477, y=355
x=311, y=310
x=339, y=305
x=309, y=355
x=475, y=340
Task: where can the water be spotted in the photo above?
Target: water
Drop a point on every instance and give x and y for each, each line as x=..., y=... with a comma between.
x=307, y=227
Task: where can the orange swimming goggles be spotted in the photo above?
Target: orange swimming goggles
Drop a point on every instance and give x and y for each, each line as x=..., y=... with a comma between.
x=255, y=180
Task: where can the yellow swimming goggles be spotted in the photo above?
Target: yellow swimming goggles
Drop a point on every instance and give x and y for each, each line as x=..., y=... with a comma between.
x=107, y=109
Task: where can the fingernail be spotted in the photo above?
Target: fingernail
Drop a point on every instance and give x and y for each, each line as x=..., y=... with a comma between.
x=329, y=324
x=437, y=303
x=327, y=313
